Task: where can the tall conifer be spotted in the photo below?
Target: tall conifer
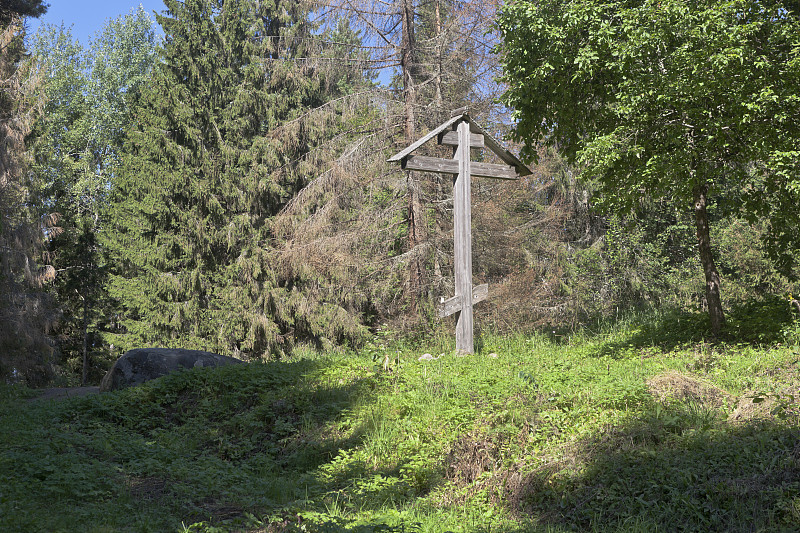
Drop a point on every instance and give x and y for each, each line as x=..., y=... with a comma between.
x=26, y=313
x=214, y=154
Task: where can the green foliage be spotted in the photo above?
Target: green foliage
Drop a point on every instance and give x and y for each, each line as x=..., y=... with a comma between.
x=75, y=145
x=217, y=151
x=629, y=88
x=649, y=260
x=12, y=9
x=120, y=59
x=669, y=100
x=87, y=92
x=553, y=260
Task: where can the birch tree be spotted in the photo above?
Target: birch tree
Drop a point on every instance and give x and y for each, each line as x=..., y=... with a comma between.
x=76, y=146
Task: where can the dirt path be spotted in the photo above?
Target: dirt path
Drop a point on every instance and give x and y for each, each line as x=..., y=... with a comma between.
x=65, y=392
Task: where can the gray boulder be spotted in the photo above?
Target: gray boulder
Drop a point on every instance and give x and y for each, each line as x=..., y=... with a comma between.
x=143, y=364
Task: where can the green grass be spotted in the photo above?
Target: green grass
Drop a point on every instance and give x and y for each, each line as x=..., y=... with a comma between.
x=553, y=434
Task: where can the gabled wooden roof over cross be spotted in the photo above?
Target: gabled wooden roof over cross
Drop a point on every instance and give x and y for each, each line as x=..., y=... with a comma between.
x=462, y=133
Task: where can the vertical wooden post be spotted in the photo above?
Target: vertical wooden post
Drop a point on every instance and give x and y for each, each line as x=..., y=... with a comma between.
x=462, y=234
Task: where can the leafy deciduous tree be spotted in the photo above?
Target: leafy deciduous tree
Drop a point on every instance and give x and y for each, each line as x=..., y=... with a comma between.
x=76, y=144
x=664, y=98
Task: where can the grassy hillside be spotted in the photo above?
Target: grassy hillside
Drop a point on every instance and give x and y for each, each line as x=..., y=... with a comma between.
x=636, y=427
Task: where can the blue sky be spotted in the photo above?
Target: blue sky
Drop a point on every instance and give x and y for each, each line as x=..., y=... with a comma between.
x=88, y=16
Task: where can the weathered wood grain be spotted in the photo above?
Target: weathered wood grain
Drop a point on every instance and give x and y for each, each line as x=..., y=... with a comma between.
x=467, y=135
x=430, y=135
x=453, y=305
x=450, y=166
x=450, y=138
x=462, y=235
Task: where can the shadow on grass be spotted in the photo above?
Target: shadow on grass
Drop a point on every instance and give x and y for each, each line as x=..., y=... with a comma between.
x=676, y=470
x=760, y=323
x=201, y=445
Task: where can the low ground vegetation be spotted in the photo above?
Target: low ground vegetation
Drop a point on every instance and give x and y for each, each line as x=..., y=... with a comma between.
x=636, y=426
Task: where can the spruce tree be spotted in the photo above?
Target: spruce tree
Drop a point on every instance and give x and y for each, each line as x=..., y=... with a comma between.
x=216, y=151
x=26, y=313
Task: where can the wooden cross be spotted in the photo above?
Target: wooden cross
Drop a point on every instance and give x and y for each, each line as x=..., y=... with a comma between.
x=463, y=134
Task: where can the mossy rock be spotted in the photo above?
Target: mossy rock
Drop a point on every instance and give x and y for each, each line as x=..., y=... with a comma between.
x=143, y=364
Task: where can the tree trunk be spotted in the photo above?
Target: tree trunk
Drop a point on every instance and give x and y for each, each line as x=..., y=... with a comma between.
x=85, y=369
x=707, y=258
x=416, y=223
x=407, y=60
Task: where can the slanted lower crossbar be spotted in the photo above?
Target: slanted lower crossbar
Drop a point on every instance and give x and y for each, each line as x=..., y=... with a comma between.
x=454, y=304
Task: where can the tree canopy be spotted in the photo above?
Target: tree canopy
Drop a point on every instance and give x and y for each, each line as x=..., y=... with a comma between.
x=10, y=9
x=680, y=99
x=76, y=146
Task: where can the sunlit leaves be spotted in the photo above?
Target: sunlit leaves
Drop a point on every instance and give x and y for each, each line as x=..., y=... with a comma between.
x=661, y=95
